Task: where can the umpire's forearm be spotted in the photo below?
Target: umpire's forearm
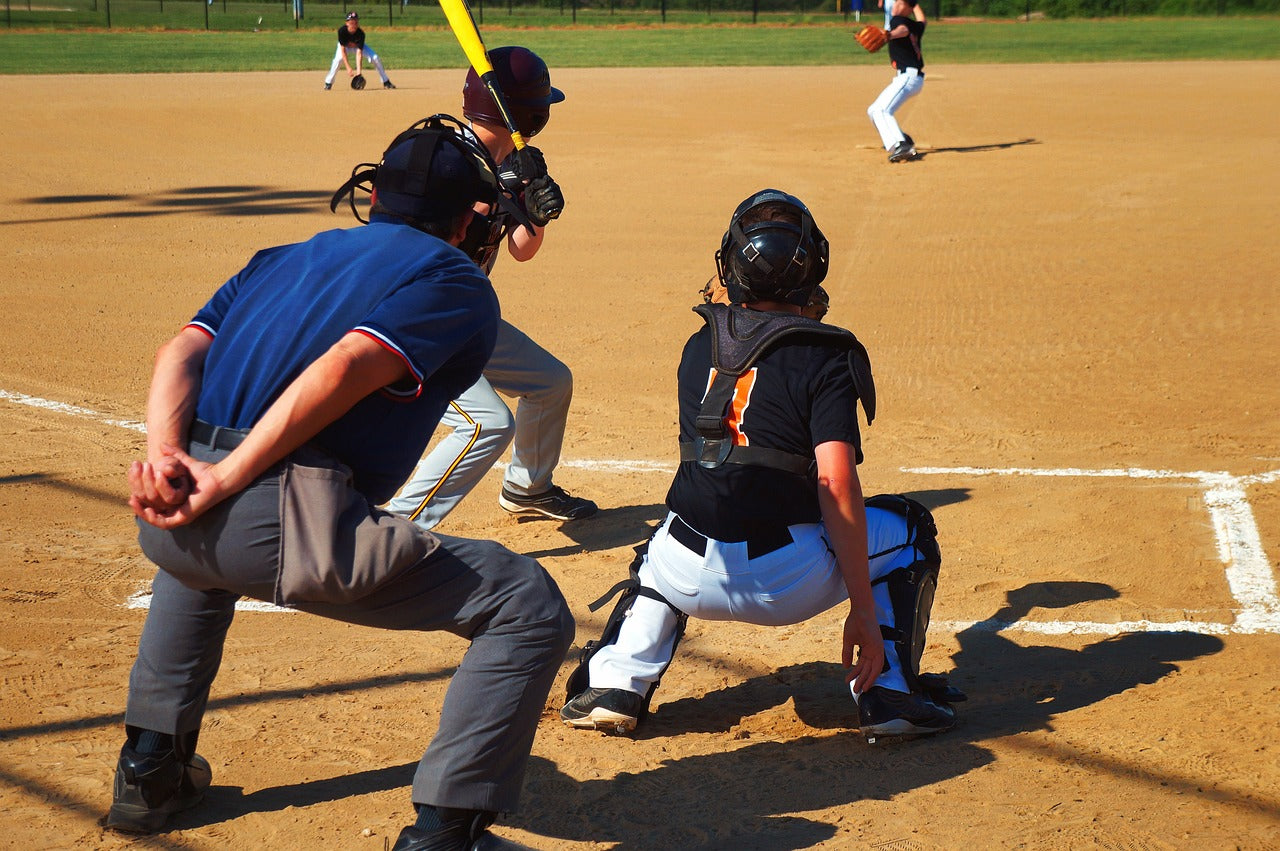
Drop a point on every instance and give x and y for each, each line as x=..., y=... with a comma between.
x=175, y=389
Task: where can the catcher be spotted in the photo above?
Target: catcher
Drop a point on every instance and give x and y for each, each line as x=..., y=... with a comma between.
x=903, y=37
x=766, y=521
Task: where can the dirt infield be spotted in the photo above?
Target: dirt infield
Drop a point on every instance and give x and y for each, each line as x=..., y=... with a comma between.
x=1071, y=304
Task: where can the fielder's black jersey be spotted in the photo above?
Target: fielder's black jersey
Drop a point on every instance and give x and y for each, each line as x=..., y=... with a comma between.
x=794, y=397
x=353, y=40
x=905, y=53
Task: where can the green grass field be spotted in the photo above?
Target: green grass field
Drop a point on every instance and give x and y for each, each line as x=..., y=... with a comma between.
x=1109, y=40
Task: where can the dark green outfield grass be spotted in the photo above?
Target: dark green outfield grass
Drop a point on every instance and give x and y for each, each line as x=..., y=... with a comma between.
x=1109, y=40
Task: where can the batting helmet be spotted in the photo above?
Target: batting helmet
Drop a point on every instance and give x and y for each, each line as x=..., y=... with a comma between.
x=772, y=250
x=526, y=87
x=430, y=173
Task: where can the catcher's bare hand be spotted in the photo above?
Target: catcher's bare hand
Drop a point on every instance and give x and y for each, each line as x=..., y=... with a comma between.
x=862, y=631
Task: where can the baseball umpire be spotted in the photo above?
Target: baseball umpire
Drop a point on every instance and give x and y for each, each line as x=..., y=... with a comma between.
x=303, y=393
x=480, y=423
x=766, y=520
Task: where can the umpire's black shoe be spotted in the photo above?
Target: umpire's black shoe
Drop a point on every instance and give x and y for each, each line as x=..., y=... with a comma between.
x=149, y=788
x=613, y=709
x=882, y=712
x=453, y=837
x=555, y=502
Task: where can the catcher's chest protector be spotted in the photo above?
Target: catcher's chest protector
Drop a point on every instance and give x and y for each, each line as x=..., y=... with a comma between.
x=739, y=336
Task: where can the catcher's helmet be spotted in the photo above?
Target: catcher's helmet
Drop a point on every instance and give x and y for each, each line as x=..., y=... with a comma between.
x=526, y=87
x=773, y=250
x=357, y=82
x=430, y=173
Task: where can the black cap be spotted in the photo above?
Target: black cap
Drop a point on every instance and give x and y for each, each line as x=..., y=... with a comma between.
x=432, y=176
x=353, y=17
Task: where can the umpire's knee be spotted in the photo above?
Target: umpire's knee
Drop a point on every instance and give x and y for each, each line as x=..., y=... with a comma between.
x=533, y=604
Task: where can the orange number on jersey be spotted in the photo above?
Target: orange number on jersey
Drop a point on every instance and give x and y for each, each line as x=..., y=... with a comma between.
x=738, y=404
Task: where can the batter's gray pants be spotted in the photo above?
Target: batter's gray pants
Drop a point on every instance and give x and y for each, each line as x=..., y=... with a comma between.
x=482, y=426
x=505, y=604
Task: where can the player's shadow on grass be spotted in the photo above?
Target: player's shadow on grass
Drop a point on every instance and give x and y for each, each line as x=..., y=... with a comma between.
x=1012, y=689
x=974, y=149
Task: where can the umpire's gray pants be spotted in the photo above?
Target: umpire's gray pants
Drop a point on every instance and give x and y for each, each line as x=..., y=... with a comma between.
x=505, y=604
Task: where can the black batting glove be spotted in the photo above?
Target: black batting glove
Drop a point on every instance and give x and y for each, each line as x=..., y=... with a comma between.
x=543, y=200
x=521, y=168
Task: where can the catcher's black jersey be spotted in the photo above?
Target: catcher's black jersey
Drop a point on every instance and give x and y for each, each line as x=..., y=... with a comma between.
x=905, y=53
x=794, y=398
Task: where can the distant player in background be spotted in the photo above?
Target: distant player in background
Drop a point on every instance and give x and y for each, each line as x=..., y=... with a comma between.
x=888, y=11
x=351, y=40
x=482, y=424
x=908, y=64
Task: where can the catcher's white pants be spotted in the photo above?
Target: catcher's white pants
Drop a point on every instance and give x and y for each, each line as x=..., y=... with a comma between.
x=902, y=88
x=369, y=54
x=481, y=426
x=786, y=586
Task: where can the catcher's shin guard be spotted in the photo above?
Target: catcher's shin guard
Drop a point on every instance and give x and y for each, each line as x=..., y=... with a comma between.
x=629, y=588
x=911, y=588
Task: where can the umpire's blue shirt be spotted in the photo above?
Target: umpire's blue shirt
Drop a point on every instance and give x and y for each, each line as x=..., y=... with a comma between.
x=416, y=295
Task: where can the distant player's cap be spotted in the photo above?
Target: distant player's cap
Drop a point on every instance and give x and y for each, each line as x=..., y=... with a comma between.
x=353, y=17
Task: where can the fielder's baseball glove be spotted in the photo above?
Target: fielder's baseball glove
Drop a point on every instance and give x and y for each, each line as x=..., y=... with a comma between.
x=357, y=82
x=872, y=38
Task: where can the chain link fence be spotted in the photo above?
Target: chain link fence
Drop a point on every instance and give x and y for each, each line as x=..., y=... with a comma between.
x=243, y=15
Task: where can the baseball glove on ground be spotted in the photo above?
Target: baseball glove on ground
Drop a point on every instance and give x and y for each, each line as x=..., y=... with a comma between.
x=357, y=82
x=872, y=38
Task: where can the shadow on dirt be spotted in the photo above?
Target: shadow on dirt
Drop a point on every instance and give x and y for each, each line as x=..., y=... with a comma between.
x=1012, y=689
x=191, y=200
x=923, y=153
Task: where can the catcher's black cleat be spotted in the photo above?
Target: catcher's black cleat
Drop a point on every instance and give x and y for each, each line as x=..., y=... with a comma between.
x=882, y=712
x=149, y=788
x=611, y=709
x=555, y=502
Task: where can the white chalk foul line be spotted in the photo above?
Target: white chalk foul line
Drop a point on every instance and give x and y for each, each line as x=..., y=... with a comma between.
x=1248, y=571
x=1247, y=568
x=73, y=410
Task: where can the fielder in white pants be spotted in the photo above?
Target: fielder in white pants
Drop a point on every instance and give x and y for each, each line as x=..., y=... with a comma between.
x=368, y=54
x=786, y=586
x=904, y=86
x=905, y=35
